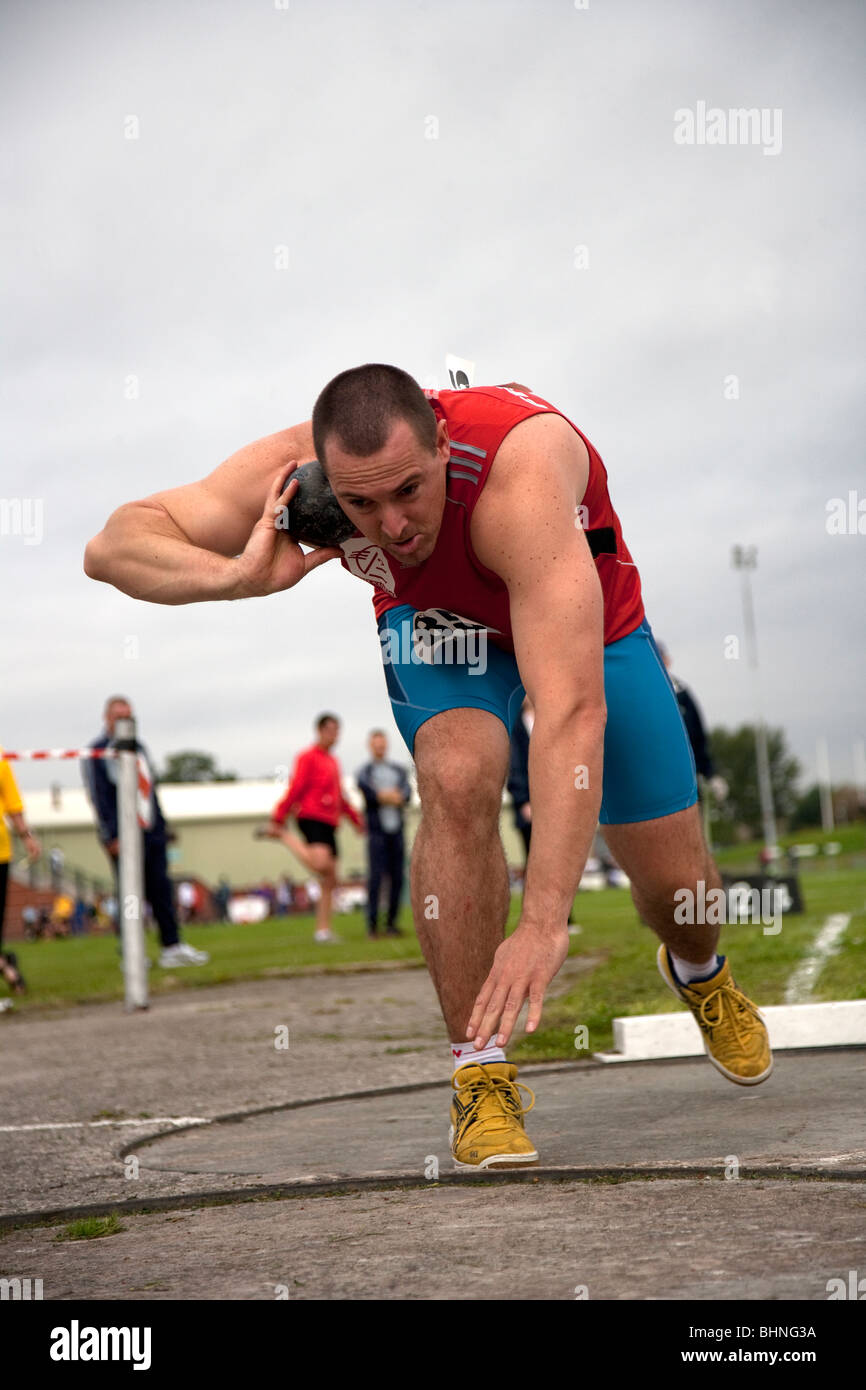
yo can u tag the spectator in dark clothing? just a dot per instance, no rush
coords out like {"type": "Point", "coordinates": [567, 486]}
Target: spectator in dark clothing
{"type": "Point", "coordinates": [100, 780]}
{"type": "Point", "coordinates": [284, 896]}
{"type": "Point", "coordinates": [696, 730]}
{"type": "Point", "coordinates": [518, 774]}
{"type": "Point", "coordinates": [78, 925]}
{"type": "Point", "coordinates": [221, 898]}
{"type": "Point", "coordinates": [385, 788]}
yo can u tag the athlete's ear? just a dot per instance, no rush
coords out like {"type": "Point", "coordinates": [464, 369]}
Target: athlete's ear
{"type": "Point", "coordinates": [443, 442]}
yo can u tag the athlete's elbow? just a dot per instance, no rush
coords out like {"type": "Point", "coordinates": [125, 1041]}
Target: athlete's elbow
{"type": "Point", "coordinates": [596, 706]}
{"type": "Point", "coordinates": [100, 557]}
{"type": "Point", "coordinates": [95, 558]}
{"type": "Point", "coordinates": [102, 553]}
{"type": "Point", "coordinates": [586, 711]}
{"type": "Point", "coordinates": [591, 713]}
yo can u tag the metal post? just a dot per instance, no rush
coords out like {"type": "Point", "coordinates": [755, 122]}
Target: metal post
{"type": "Point", "coordinates": [746, 559]}
{"type": "Point", "coordinates": [860, 772]}
{"type": "Point", "coordinates": [131, 867]}
{"type": "Point", "coordinates": [824, 788]}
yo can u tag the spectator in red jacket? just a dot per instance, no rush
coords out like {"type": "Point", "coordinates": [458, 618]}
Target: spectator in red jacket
{"type": "Point", "coordinates": [315, 797]}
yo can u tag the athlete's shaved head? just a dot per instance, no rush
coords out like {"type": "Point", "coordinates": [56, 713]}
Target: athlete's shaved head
{"type": "Point", "coordinates": [360, 406]}
{"type": "Point", "coordinates": [386, 456]}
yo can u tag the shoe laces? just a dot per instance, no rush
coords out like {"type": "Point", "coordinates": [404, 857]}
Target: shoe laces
{"type": "Point", "coordinates": [502, 1095]}
{"type": "Point", "coordinates": [727, 999]}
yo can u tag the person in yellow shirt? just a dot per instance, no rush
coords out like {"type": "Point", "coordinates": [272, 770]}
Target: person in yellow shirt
{"type": "Point", "coordinates": [12, 807]}
{"type": "Point", "coordinates": [61, 914]}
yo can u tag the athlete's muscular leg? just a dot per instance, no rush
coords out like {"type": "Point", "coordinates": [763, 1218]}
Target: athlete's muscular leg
{"type": "Point", "coordinates": [660, 857]}
{"type": "Point", "coordinates": [321, 862]}
{"type": "Point", "coordinates": [324, 865]}
{"type": "Point", "coordinates": [460, 891]}
{"type": "Point", "coordinates": [300, 849]}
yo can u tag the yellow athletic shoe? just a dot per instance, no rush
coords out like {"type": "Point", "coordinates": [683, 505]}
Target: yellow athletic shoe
{"type": "Point", "coordinates": [487, 1118]}
{"type": "Point", "coordinates": [735, 1034]}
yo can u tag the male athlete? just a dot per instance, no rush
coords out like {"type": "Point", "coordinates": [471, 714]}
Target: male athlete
{"type": "Point", "coordinates": [490, 508]}
{"type": "Point", "coordinates": [315, 797]}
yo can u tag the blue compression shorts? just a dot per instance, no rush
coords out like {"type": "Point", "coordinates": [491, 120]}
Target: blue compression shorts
{"type": "Point", "coordinates": [649, 767]}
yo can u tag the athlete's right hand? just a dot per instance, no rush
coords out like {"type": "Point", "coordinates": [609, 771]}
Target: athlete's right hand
{"type": "Point", "coordinates": [271, 560]}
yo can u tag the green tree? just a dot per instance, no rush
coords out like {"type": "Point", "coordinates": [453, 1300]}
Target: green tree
{"type": "Point", "coordinates": [193, 767]}
{"type": "Point", "coordinates": [807, 812]}
{"type": "Point", "coordinates": [736, 759]}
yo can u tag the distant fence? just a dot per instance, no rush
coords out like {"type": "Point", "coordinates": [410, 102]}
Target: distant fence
{"type": "Point", "coordinates": [134, 807]}
{"type": "Point", "coordinates": [41, 874]}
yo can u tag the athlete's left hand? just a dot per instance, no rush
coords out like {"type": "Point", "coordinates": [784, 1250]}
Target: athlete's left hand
{"type": "Point", "coordinates": [523, 965]}
{"type": "Point", "coordinates": [271, 831]}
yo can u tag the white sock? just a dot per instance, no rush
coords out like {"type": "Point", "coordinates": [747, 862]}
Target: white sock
{"type": "Point", "coordinates": [687, 971]}
{"type": "Point", "coordinates": [463, 1053]}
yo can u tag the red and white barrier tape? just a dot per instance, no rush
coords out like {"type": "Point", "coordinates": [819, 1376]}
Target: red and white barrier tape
{"type": "Point", "coordinates": [145, 804]}
{"type": "Point", "coordinates": [145, 787]}
{"type": "Point", "coordinates": [35, 754]}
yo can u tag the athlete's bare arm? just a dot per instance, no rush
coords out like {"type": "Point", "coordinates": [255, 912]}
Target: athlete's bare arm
{"type": "Point", "coordinates": [213, 539]}
{"type": "Point", "coordinates": [523, 529]}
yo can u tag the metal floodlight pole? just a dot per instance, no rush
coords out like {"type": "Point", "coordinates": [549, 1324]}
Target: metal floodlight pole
{"type": "Point", "coordinates": [745, 559]}
{"type": "Point", "coordinates": [131, 867]}
{"type": "Point", "coordinates": [825, 788]}
{"type": "Point", "coordinates": [860, 771]}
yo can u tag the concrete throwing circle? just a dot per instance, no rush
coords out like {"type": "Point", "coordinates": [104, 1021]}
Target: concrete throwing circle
{"type": "Point", "coordinates": [588, 1120]}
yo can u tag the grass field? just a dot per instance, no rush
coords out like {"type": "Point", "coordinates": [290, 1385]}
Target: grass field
{"type": "Point", "coordinates": [87, 969]}
{"type": "Point", "coordinates": [629, 983]}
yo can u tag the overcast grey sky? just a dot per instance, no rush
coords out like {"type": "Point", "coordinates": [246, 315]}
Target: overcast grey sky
{"type": "Point", "coordinates": [149, 263]}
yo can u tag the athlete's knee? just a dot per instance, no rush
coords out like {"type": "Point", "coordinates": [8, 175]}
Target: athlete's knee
{"type": "Point", "coordinates": [321, 860]}
{"type": "Point", "coordinates": [462, 785]}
